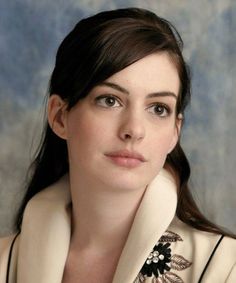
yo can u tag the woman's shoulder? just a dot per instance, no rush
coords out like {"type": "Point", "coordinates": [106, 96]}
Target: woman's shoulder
{"type": "Point", "coordinates": [204, 239]}
{"type": "Point", "coordinates": [5, 245]}
{"type": "Point", "coordinates": [210, 254]}
{"type": "Point", "coordinates": [7, 254]}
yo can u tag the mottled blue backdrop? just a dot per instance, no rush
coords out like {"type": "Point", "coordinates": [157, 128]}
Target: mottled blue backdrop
{"type": "Point", "coordinates": [30, 32]}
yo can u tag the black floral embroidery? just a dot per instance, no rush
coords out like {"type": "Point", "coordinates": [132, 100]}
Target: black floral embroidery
{"type": "Point", "coordinates": [161, 262]}
{"type": "Point", "coordinates": [157, 261]}
{"type": "Point", "coordinates": [169, 236]}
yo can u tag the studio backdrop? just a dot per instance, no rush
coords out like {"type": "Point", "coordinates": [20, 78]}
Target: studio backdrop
{"type": "Point", "coordinates": [31, 31]}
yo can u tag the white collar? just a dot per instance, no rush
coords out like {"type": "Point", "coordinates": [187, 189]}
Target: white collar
{"type": "Point", "coordinates": [46, 231]}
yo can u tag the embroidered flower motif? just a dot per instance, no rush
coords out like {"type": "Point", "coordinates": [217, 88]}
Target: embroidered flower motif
{"type": "Point", "coordinates": [169, 236]}
{"type": "Point", "coordinates": [157, 261]}
{"type": "Point", "coordinates": [161, 262]}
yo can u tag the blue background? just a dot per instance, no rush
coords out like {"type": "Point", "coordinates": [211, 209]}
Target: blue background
{"type": "Point", "coordinates": [30, 32]}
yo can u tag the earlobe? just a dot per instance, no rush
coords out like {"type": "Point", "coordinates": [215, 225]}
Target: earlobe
{"type": "Point", "coordinates": [179, 123]}
{"type": "Point", "coordinates": [177, 132]}
{"type": "Point", "coordinates": [57, 115]}
{"type": "Point", "coordinates": [174, 142]}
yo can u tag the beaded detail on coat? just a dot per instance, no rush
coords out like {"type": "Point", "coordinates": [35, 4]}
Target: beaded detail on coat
{"type": "Point", "coordinates": [161, 264]}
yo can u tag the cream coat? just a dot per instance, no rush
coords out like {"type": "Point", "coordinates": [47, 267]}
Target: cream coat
{"type": "Point", "coordinates": [40, 251]}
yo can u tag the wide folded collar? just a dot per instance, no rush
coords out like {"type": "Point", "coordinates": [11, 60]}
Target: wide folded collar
{"type": "Point", "coordinates": [46, 231]}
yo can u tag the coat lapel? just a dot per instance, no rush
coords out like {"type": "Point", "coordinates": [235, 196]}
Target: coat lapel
{"type": "Point", "coordinates": [45, 236]}
{"type": "Point", "coordinates": [153, 217]}
{"type": "Point", "coordinates": [46, 229]}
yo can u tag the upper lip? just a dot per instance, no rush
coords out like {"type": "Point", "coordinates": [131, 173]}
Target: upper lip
{"type": "Point", "coordinates": [127, 153]}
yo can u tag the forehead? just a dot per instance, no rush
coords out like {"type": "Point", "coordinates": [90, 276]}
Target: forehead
{"type": "Point", "coordinates": [155, 72]}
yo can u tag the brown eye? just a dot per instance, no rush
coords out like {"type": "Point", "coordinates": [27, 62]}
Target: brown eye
{"type": "Point", "coordinates": [160, 110]}
{"type": "Point", "coordinates": [107, 101]}
{"type": "Point", "coordinates": [110, 101]}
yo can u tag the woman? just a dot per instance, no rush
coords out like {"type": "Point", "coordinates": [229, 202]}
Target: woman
{"type": "Point", "coordinates": [108, 200]}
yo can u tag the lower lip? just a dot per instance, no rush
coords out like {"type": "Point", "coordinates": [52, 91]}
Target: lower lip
{"type": "Point", "coordinates": [126, 161]}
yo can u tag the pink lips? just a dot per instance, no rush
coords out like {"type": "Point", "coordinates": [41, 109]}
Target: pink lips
{"type": "Point", "coordinates": [126, 158]}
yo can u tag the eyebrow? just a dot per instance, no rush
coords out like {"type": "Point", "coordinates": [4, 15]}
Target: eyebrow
{"type": "Point", "coordinates": [150, 95]}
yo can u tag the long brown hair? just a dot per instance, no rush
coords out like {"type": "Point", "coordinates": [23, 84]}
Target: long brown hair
{"type": "Point", "coordinates": [97, 48]}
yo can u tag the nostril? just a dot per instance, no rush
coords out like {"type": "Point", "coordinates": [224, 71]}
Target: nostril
{"type": "Point", "coordinates": [127, 136]}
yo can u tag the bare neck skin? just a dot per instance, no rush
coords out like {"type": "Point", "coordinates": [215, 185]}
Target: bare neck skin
{"type": "Point", "coordinates": [101, 216]}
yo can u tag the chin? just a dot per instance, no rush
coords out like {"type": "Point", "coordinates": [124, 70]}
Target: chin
{"type": "Point", "coordinates": [127, 183]}
{"type": "Point", "coordinates": [124, 179]}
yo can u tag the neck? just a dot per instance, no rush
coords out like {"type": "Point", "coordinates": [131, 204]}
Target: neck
{"type": "Point", "coordinates": [101, 217]}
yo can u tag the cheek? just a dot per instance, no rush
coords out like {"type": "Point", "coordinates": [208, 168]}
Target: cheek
{"type": "Point", "coordinates": [160, 149]}
{"type": "Point", "coordinates": [84, 135]}
{"type": "Point", "coordinates": [163, 138]}
{"type": "Point", "coordinates": [77, 136]}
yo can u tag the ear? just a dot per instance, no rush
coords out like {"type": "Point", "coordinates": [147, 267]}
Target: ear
{"type": "Point", "coordinates": [177, 131]}
{"type": "Point", "coordinates": [57, 115]}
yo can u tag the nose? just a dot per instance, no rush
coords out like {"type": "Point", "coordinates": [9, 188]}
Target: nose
{"type": "Point", "coordinates": [132, 127]}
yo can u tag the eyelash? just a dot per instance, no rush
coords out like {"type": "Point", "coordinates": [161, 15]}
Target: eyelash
{"type": "Point", "coordinates": [165, 108]}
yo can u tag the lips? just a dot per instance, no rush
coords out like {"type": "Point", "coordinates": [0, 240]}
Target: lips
{"type": "Point", "coordinates": [126, 158]}
{"type": "Point", "coordinates": [127, 154]}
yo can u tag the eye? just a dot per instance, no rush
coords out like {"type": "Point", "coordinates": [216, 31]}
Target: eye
{"type": "Point", "coordinates": [107, 101]}
{"type": "Point", "coordinates": [160, 110]}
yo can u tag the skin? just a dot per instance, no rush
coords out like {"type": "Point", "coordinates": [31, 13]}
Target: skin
{"type": "Point", "coordinates": [106, 195]}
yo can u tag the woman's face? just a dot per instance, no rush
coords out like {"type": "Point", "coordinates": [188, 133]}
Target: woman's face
{"type": "Point", "coordinates": [120, 134]}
